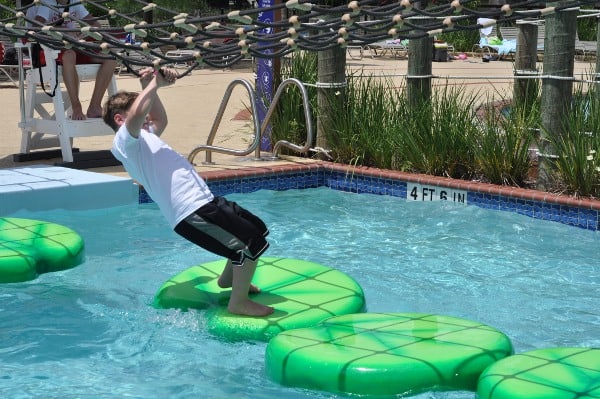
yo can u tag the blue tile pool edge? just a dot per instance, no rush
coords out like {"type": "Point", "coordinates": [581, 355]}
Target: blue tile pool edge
{"type": "Point", "coordinates": [539, 205]}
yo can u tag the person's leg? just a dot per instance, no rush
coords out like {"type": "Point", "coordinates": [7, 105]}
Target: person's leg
{"type": "Point", "coordinates": [71, 80]}
{"type": "Point", "coordinates": [226, 279]}
{"type": "Point", "coordinates": [218, 228]}
{"type": "Point", "coordinates": [239, 302]}
{"type": "Point", "coordinates": [103, 78]}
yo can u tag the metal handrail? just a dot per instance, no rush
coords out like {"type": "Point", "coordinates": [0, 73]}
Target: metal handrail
{"type": "Point", "coordinates": [258, 129]}
{"type": "Point", "coordinates": [209, 147]}
{"type": "Point", "coordinates": [307, 116]}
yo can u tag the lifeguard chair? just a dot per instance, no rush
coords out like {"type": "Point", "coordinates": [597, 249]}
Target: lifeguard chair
{"type": "Point", "coordinates": [46, 119]}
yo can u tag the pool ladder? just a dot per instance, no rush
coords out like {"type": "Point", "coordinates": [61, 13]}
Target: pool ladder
{"type": "Point", "coordinates": [209, 148]}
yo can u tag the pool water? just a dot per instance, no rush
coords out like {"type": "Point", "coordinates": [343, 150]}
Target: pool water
{"type": "Point", "coordinates": [90, 332]}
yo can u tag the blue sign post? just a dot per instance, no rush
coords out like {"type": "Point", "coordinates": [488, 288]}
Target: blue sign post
{"type": "Point", "coordinates": [264, 76]}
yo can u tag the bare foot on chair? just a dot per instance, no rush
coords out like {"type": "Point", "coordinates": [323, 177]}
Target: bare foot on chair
{"type": "Point", "coordinates": [250, 308]}
{"type": "Point", "coordinates": [77, 115]}
{"type": "Point", "coordinates": [94, 112]}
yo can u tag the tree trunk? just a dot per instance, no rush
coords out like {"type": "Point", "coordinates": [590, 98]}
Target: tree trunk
{"type": "Point", "coordinates": [559, 59]}
{"type": "Point", "coordinates": [330, 91]}
{"type": "Point", "coordinates": [525, 90]}
{"type": "Point", "coordinates": [420, 56]}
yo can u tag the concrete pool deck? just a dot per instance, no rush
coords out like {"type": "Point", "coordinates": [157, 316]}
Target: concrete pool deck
{"type": "Point", "coordinates": [192, 105]}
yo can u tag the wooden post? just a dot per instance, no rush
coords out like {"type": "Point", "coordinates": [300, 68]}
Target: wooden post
{"type": "Point", "coordinates": [524, 91]}
{"type": "Point", "coordinates": [559, 60]}
{"type": "Point", "coordinates": [331, 91]}
{"type": "Point", "coordinates": [149, 16]}
{"type": "Point", "coordinates": [420, 56]}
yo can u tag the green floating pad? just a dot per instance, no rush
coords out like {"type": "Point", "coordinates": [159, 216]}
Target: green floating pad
{"type": "Point", "coordinates": [553, 373]}
{"type": "Point", "coordinates": [303, 294]}
{"type": "Point", "coordinates": [31, 247]}
{"type": "Point", "coordinates": [386, 354]}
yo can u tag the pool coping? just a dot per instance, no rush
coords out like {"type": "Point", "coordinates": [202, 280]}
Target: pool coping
{"type": "Point", "coordinates": [46, 187]}
{"type": "Point", "coordinates": [582, 213]}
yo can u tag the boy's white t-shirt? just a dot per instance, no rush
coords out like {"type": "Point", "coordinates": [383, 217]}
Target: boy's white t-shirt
{"type": "Point", "coordinates": [168, 177]}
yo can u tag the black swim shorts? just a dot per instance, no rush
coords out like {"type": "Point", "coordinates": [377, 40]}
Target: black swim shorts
{"type": "Point", "coordinates": [226, 229]}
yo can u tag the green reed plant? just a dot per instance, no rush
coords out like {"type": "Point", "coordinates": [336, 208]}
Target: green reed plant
{"type": "Point", "coordinates": [587, 28]}
{"type": "Point", "coordinates": [377, 126]}
{"type": "Point", "coordinates": [363, 129]}
{"type": "Point", "coordinates": [440, 134]}
{"type": "Point", "coordinates": [288, 121]}
{"type": "Point", "coordinates": [576, 160]}
{"type": "Point", "coordinates": [503, 144]}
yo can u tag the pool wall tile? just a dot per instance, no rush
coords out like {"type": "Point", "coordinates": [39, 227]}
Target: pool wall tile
{"type": "Point", "coordinates": [536, 204]}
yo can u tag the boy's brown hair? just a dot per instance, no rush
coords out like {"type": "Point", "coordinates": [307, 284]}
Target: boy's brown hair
{"type": "Point", "coordinates": [117, 104]}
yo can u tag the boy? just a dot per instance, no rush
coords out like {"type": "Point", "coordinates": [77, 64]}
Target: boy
{"type": "Point", "coordinates": [215, 224]}
{"type": "Point", "coordinates": [47, 13]}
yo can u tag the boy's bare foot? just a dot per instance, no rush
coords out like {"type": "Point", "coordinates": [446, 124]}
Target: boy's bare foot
{"type": "Point", "coordinates": [254, 289]}
{"type": "Point", "coordinates": [250, 308]}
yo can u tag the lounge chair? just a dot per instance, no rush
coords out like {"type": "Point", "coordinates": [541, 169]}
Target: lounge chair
{"type": "Point", "coordinates": [509, 41]}
{"type": "Point", "coordinates": [490, 45]}
{"type": "Point", "coordinates": [541, 37]}
{"type": "Point", "coordinates": [585, 47]}
{"type": "Point", "coordinates": [487, 35]}
{"type": "Point", "coordinates": [510, 34]}
{"type": "Point", "coordinates": [355, 49]}
{"type": "Point", "coordinates": [397, 48]}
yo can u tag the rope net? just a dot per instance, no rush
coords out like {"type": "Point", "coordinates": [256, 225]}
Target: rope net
{"type": "Point", "coordinates": [211, 41]}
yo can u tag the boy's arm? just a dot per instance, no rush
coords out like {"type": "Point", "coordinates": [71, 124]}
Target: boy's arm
{"type": "Point", "coordinates": [157, 116]}
{"type": "Point", "coordinates": [147, 107]}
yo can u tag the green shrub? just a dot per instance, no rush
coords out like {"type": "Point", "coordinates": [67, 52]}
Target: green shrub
{"type": "Point", "coordinates": [377, 126]}
{"type": "Point", "coordinates": [503, 143]}
{"type": "Point", "coordinates": [576, 160]}
{"type": "Point", "coordinates": [363, 130]}
{"type": "Point", "coordinates": [440, 135]}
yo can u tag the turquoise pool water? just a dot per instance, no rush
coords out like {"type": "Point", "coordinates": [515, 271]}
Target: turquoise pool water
{"type": "Point", "coordinates": [90, 332]}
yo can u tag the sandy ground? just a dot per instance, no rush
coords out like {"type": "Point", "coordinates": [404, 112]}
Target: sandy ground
{"type": "Point", "coordinates": [191, 103]}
